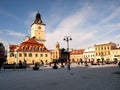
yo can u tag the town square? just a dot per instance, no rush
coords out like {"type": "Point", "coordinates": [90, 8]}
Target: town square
{"type": "Point", "coordinates": [103, 77]}
{"type": "Point", "coordinates": [59, 45]}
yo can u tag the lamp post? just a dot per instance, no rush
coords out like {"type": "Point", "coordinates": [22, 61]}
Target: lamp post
{"type": "Point", "coordinates": [102, 58]}
{"type": "Point", "coordinates": [67, 39]}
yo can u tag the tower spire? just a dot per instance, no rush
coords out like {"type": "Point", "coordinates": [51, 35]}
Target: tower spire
{"type": "Point", "coordinates": [38, 19]}
{"type": "Point", "coordinates": [38, 16]}
{"type": "Point", "coordinates": [38, 29]}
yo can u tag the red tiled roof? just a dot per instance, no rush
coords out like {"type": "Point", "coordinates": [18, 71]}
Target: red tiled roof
{"type": "Point", "coordinates": [30, 41]}
{"type": "Point", "coordinates": [74, 52]}
{"type": "Point", "coordinates": [30, 45]}
{"type": "Point", "coordinates": [12, 47]}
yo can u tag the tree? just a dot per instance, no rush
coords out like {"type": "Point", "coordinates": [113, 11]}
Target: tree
{"type": "Point", "coordinates": [2, 60]}
{"type": "Point", "coordinates": [2, 55]}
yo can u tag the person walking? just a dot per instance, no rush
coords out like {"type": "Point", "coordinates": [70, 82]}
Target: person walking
{"type": "Point", "coordinates": [68, 64]}
{"type": "Point", "coordinates": [119, 63]}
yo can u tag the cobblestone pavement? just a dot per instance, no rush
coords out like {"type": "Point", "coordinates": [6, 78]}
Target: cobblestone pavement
{"type": "Point", "coordinates": [106, 77]}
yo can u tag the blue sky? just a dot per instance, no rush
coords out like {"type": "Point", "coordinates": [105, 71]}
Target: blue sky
{"type": "Point", "coordinates": [88, 22]}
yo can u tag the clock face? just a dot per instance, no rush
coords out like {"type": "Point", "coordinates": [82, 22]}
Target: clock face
{"type": "Point", "coordinates": [39, 27]}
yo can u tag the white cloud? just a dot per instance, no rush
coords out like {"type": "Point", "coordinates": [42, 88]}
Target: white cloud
{"type": "Point", "coordinates": [86, 36]}
{"type": "Point", "coordinates": [71, 26]}
{"type": "Point", "coordinates": [30, 18]}
{"type": "Point", "coordinates": [14, 37]}
{"type": "Point", "coordinates": [87, 26]}
{"type": "Point", "coordinates": [1, 32]}
{"type": "Point", "coordinates": [75, 25]}
{"type": "Point", "coordinates": [113, 15]}
{"type": "Point", "coordinates": [13, 33]}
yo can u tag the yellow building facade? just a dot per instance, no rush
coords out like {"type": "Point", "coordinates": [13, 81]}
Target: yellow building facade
{"type": "Point", "coordinates": [56, 53]}
{"type": "Point", "coordinates": [29, 51]}
{"type": "Point", "coordinates": [102, 51]}
{"type": "Point", "coordinates": [76, 55]}
{"type": "Point", "coordinates": [115, 54]}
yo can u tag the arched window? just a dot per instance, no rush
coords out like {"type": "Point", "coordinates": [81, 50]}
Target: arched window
{"type": "Point", "coordinates": [46, 61]}
{"type": "Point", "coordinates": [37, 48]}
{"type": "Point", "coordinates": [33, 48]}
{"type": "Point", "coordinates": [23, 48]}
{"type": "Point", "coordinates": [105, 48]}
{"type": "Point", "coordinates": [40, 49]}
{"type": "Point", "coordinates": [30, 48]}
{"type": "Point", "coordinates": [11, 54]}
{"type": "Point", "coordinates": [96, 54]}
{"type": "Point", "coordinates": [27, 48]}
{"type": "Point", "coordinates": [108, 52]}
{"type": "Point", "coordinates": [43, 49]}
{"type": "Point", "coordinates": [41, 55]}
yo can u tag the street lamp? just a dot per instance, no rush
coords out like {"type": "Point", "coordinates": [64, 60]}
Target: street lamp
{"type": "Point", "coordinates": [102, 58]}
{"type": "Point", "coordinates": [67, 39]}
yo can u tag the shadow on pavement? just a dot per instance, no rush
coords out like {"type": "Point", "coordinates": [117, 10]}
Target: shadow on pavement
{"type": "Point", "coordinates": [117, 72]}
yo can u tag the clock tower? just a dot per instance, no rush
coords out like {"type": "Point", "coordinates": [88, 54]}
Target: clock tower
{"type": "Point", "coordinates": [38, 29]}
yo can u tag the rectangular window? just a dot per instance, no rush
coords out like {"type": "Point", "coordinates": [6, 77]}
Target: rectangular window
{"type": "Point", "coordinates": [105, 48]}
{"type": "Point", "coordinates": [101, 48]}
{"type": "Point", "coordinates": [25, 55]}
{"type": "Point", "coordinates": [96, 48]}
{"type": "Point", "coordinates": [30, 54]}
{"type": "Point", "coordinates": [96, 54]}
{"type": "Point", "coordinates": [20, 55]}
{"type": "Point", "coordinates": [36, 55]}
{"type": "Point", "coordinates": [41, 55]}
{"type": "Point", "coordinates": [11, 54]}
{"type": "Point", "coordinates": [15, 55]}
{"type": "Point", "coordinates": [46, 55]}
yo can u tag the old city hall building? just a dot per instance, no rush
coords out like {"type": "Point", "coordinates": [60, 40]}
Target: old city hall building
{"type": "Point", "coordinates": [31, 49]}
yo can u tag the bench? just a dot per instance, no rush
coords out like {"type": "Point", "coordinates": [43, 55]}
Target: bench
{"type": "Point", "coordinates": [13, 66]}
{"type": "Point", "coordinates": [35, 68]}
{"type": "Point", "coordinates": [9, 66]}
